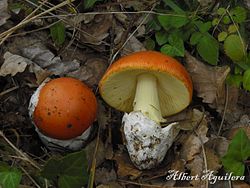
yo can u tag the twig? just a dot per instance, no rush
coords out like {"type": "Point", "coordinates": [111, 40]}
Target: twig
{"type": "Point", "coordinates": [19, 152]}
{"type": "Point", "coordinates": [216, 26]}
{"type": "Point", "coordinates": [141, 184]}
{"type": "Point", "coordinates": [224, 112]}
{"type": "Point", "coordinates": [26, 21]}
{"type": "Point", "coordinates": [204, 155]}
{"type": "Point", "coordinates": [238, 32]}
{"type": "Point", "coordinates": [27, 174]}
{"type": "Point", "coordinates": [117, 12]}
{"type": "Point", "coordinates": [8, 90]}
{"type": "Point", "coordinates": [93, 164]}
{"type": "Point", "coordinates": [132, 34]}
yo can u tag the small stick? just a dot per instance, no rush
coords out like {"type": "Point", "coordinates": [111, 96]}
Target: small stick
{"type": "Point", "coordinates": [19, 152]}
{"type": "Point", "coordinates": [8, 90]}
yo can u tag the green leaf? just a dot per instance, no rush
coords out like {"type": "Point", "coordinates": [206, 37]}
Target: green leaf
{"type": "Point", "coordinates": [208, 49]}
{"type": "Point", "coordinates": [172, 21]}
{"type": "Point", "coordinates": [226, 20]}
{"type": "Point", "coordinates": [89, 3]}
{"type": "Point", "coordinates": [10, 177]}
{"type": "Point", "coordinates": [232, 28]}
{"type": "Point", "coordinates": [150, 44]}
{"type": "Point", "coordinates": [57, 32]}
{"type": "Point", "coordinates": [67, 181]}
{"type": "Point", "coordinates": [203, 27]}
{"type": "Point", "coordinates": [234, 80]}
{"type": "Point", "coordinates": [246, 80]}
{"type": "Point", "coordinates": [239, 14]}
{"type": "Point", "coordinates": [238, 151]}
{"type": "Point", "coordinates": [234, 48]}
{"type": "Point", "coordinates": [174, 6]}
{"type": "Point", "coordinates": [175, 46]}
{"type": "Point", "coordinates": [222, 36]}
{"type": "Point", "coordinates": [71, 170]}
{"type": "Point", "coordinates": [16, 7]}
{"type": "Point", "coordinates": [215, 21]}
{"type": "Point", "coordinates": [161, 37]}
{"type": "Point", "coordinates": [195, 38]}
{"type": "Point", "coordinates": [221, 11]}
{"type": "Point", "coordinates": [51, 169]}
{"type": "Point", "coordinates": [152, 24]}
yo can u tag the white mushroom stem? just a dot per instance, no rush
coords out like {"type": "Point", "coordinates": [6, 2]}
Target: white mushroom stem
{"type": "Point", "coordinates": [146, 97]}
{"type": "Point", "coordinates": [147, 142]}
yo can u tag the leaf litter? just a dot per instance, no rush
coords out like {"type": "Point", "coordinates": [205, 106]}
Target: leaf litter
{"type": "Point", "coordinates": [30, 59]}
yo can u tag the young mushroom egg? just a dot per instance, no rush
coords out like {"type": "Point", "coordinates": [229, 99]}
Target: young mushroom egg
{"type": "Point", "coordinates": [62, 111]}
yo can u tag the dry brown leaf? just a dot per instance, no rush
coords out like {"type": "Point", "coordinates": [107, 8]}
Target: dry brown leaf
{"type": "Point", "coordinates": [196, 167]}
{"type": "Point", "coordinates": [91, 72]}
{"type": "Point", "coordinates": [85, 18]}
{"type": "Point", "coordinates": [97, 29]}
{"type": "Point", "coordinates": [133, 45]}
{"type": "Point", "coordinates": [240, 184]}
{"type": "Point", "coordinates": [13, 64]}
{"type": "Point", "coordinates": [100, 155]}
{"type": "Point", "coordinates": [43, 57]}
{"type": "Point", "coordinates": [178, 165]}
{"type": "Point", "coordinates": [40, 73]}
{"type": "Point", "coordinates": [218, 144]}
{"type": "Point", "coordinates": [125, 167]}
{"type": "Point", "coordinates": [233, 131]}
{"type": "Point", "coordinates": [3, 11]}
{"type": "Point", "coordinates": [110, 185]}
{"type": "Point", "coordinates": [139, 5]}
{"type": "Point", "coordinates": [213, 161]}
{"type": "Point", "coordinates": [191, 143]}
{"type": "Point", "coordinates": [208, 81]}
{"type": "Point", "coordinates": [104, 175]}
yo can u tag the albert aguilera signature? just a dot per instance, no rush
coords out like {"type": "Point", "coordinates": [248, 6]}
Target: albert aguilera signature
{"type": "Point", "coordinates": [206, 175]}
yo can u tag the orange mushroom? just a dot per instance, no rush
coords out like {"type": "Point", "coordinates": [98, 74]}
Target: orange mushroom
{"type": "Point", "coordinates": [63, 108]}
{"type": "Point", "coordinates": [149, 86]}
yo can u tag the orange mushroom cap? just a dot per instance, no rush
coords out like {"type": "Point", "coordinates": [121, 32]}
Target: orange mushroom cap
{"type": "Point", "coordinates": [175, 89]}
{"type": "Point", "coordinates": [65, 109]}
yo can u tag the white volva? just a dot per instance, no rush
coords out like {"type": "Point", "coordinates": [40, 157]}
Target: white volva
{"type": "Point", "coordinates": [147, 141]}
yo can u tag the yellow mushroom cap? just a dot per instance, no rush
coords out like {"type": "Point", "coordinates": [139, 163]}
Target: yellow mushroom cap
{"type": "Point", "coordinates": [175, 89]}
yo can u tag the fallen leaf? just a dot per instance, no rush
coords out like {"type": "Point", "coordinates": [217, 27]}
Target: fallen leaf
{"type": "Point", "coordinates": [43, 57]}
{"type": "Point", "coordinates": [100, 155]}
{"type": "Point", "coordinates": [218, 144]}
{"type": "Point", "coordinates": [110, 185]}
{"type": "Point", "coordinates": [240, 184]}
{"type": "Point", "coordinates": [40, 73]}
{"type": "Point", "coordinates": [213, 161]}
{"type": "Point", "coordinates": [97, 30]}
{"type": "Point", "coordinates": [196, 167]}
{"type": "Point", "coordinates": [139, 5]}
{"type": "Point", "coordinates": [104, 175]}
{"type": "Point", "coordinates": [191, 143]}
{"type": "Point", "coordinates": [125, 167]}
{"type": "Point", "coordinates": [133, 45]}
{"type": "Point", "coordinates": [178, 165]}
{"type": "Point", "coordinates": [13, 64]}
{"type": "Point", "coordinates": [91, 72]}
{"type": "Point", "coordinates": [85, 18]}
{"type": "Point", "coordinates": [208, 81]}
{"type": "Point", "coordinates": [3, 11]}
{"type": "Point", "coordinates": [205, 3]}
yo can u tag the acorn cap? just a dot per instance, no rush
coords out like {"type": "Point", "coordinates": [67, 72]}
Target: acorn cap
{"type": "Point", "coordinates": [118, 85]}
